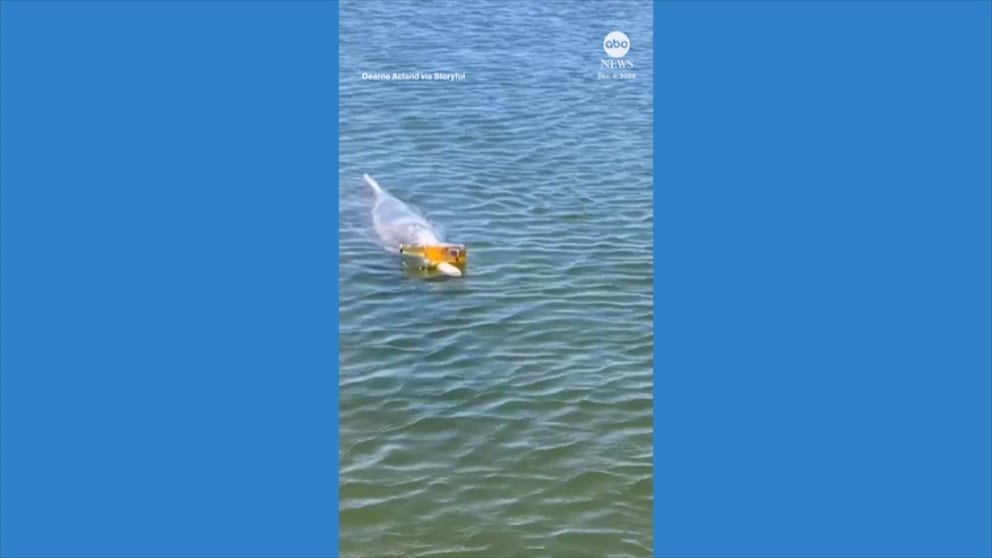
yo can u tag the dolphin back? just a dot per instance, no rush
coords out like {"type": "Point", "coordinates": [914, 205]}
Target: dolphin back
{"type": "Point", "coordinates": [396, 222]}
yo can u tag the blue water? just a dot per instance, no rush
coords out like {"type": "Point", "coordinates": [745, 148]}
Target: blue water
{"type": "Point", "coordinates": [508, 412]}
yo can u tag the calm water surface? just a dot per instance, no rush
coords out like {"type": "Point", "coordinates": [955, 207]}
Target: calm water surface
{"type": "Point", "coordinates": [507, 413]}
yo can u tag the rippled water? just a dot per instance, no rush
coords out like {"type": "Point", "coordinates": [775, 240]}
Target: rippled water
{"type": "Point", "coordinates": [506, 413]}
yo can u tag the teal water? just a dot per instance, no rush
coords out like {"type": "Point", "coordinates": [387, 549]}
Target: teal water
{"type": "Point", "coordinates": [508, 412]}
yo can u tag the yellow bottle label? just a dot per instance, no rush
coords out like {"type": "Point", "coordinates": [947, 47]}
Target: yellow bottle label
{"type": "Point", "coordinates": [455, 254]}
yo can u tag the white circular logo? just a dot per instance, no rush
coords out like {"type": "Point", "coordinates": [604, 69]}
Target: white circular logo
{"type": "Point", "coordinates": [616, 44]}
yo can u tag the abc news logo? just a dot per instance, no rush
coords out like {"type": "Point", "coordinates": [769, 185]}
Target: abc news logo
{"type": "Point", "coordinates": [616, 45]}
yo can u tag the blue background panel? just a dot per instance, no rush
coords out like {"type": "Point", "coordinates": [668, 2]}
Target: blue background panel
{"type": "Point", "coordinates": [822, 383]}
{"type": "Point", "coordinates": [169, 310]}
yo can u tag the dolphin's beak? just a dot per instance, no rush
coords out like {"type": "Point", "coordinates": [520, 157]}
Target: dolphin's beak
{"type": "Point", "coordinates": [448, 269]}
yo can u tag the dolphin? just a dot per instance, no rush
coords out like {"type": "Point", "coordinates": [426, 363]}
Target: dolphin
{"type": "Point", "coordinates": [399, 225]}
